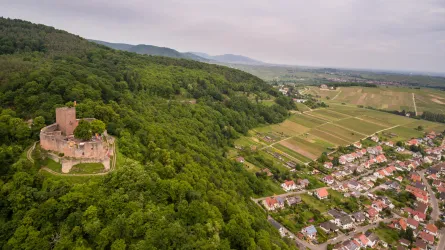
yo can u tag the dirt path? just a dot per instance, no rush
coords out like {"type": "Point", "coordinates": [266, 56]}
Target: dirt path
{"type": "Point", "coordinates": [414, 102]}
{"type": "Point", "coordinates": [333, 98]}
{"type": "Point", "coordinates": [29, 152]}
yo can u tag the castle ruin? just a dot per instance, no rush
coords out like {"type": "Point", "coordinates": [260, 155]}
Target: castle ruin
{"type": "Point", "coordinates": [58, 139]}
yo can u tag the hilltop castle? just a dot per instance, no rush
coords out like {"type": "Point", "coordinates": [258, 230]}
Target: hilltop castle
{"type": "Point", "coordinates": [59, 138]}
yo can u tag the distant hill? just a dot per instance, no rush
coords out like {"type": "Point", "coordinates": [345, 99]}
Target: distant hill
{"type": "Point", "coordinates": [151, 50]}
{"type": "Point", "coordinates": [168, 52]}
{"type": "Point", "coordinates": [230, 58]}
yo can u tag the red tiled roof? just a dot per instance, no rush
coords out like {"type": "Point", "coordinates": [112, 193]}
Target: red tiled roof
{"type": "Point", "coordinates": [431, 227]}
{"type": "Point", "coordinates": [322, 192]}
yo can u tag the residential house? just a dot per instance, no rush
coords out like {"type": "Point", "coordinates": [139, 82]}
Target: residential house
{"type": "Point", "coordinates": [405, 242]}
{"type": "Point", "coordinates": [420, 244]}
{"type": "Point", "coordinates": [413, 142]}
{"type": "Point", "coordinates": [328, 165]}
{"type": "Point", "coordinates": [293, 200]}
{"type": "Point", "coordinates": [412, 223]}
{"type": "Point", "coordinates": [399, 178]}
{"type": "Point", "coordinates": [373, 238]}
{"type": "Point", "coordinates": [278, 227]}
{"type": "Point", "coordinates": [428, 238]}
{"type": "Point", "coordinates": [357, 145]}
{"type": "Point", "coordinates": [328, 179]}
{"type": "Point", "coordinates": [359, 217]}
{"type": "Point", "coordinates": [362, 240]}
{"type": "Point", "coordinates": [415, 177]}
{"type": "Point", "coordinates": [303, 183]}
{"type": "Point", "coordinates": [431, 229]}
{"type": "Point", "coordinates": [270, 203]}
{"type": "Point", "coordinates": [310, 232]}
{"type": "Point", "coordinates": [372, 214]}
{"type": "Point", "coordinates": [421, 207]}
{"type": "Point", "coordinates": [346, 222]}
{"type": "Point", "coordinates": [322, 193]}
{"type": "Point", "coordinates": [289, 186]}
{"type": "Point", "coordinates": [328, 227]}
{"type": "Point", "coordinates": [375, 138]}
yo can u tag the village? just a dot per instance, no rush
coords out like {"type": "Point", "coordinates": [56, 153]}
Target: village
{"type": "Point", "coordinates": [376, 194]}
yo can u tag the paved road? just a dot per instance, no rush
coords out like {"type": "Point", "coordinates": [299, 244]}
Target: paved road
{"type": "Point", "coordinates": [441, 244]}
{"type": "Point", "coordinates": [435, 205]}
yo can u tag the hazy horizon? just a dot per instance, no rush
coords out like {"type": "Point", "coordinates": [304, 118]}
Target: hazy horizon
{"type": "Point", "coordinates": [391, 35]}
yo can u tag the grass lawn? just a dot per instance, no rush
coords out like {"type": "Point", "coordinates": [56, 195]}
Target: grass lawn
{"type": "Point", "coordinates": [51, 164]}
{"type": "Point", "coordinates": [388, 235]}
{"type": "Point", "coordinates": [320, 205]}
{"type": "Point", "coordinates": [250, 167]}
{"type": "Point", "coordinates": [301, 107]}
{"type": "Point", "coordinates": [87, 168]}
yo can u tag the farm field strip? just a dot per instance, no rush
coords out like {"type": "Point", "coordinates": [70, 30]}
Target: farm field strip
{"type": "Point", "coordinates": [330, 115]}
{"type": "Point", "coordinates": [316, 116]}
{"type": "Point", "coordinates": [307, 121]}
{"type": "Point", "coordinates": [297, 156]}
{"type": "Point", "coordinates": [361, 126]}
{"type": "Point", "coordinates": [329, 137]}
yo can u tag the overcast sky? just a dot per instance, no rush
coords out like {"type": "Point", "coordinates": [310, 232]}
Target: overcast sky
{"type": "Point", "coordinates": [379, 34]}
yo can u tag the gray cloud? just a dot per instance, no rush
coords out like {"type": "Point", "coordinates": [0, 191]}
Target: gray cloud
{"type": "Point", "coordinates": [389, 34]}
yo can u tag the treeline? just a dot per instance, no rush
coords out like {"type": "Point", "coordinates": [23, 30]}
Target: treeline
{"type": "Point", "coordinates": [174, 188]}
{"type": "Point", "coordinates": [434, 117]}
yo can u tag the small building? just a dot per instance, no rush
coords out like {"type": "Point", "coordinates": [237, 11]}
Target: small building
{"type": "Point", "coordinates": [322, 193]}
{"type": "Point", "coordinates": [328, 227]}
{"type": "Point", "coordinates": [431, 229]}
{"type": "Point", "coordinates": [240, 159]}
{"type": "Point", "coordinates": [289, 186]}
{"type": "Point", "coordinates": [310, 232]}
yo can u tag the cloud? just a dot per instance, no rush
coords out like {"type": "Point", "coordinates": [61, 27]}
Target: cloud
{"type": "Point", "coordinates": [395, 34]}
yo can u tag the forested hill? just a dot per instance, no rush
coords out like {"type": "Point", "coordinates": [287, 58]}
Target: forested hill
{"type": "Point", "coordinates": [173, 188]}
{"type": "Point", "coordinates": [151, 50]}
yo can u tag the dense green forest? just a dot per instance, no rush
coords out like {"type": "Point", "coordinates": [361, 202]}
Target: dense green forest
{"type": "Point", "coordinates": [175, 189]}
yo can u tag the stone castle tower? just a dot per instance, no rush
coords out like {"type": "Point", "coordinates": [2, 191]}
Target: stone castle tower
{"type": "Point", "coordinates": [66, 119]}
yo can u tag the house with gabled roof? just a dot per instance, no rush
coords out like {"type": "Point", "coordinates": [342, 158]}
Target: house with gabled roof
{"type": "Point", "coordinates": [328, 226]}
{"type": "Point", "coordinates": [328, 179]}
{"type": "Point", "coordinates": [310, 232]}
{"type": "Point", "coordinates": [289, 185]}
{"type": "Point", "coordinates": [428, 238]}
{"type": "Point", "coordinates": [270, 203]}
{"type": "Point", "coordinates": [328, 165]}
{"type": "Point", "coordinates": [412, 223]}
{"type": "Point", "coordinates": [372, 214]}
{"type": "Point", "coordinates": [431, 229]}
{"type": "Point", "coordinates": [321, 193]}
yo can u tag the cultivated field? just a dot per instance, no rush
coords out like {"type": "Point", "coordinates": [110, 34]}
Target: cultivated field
{"type": "Point", "coordinates": [304, 137]}
{"type": "Point", "coordinates": [391, 98]}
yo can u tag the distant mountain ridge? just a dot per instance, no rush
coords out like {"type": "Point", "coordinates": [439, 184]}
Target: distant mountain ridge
{"type": "Point", "coordinates": [151, 50]}
{"type": "Point", "coordinates": [168, 52]}
{"type": "Point", "coordinates": [230, 58]}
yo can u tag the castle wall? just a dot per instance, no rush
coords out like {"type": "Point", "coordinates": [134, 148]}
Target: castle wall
{"type": "Point", "coordinates": [66, 119]}
{"type": "Point", "coordinates": [51, 139]}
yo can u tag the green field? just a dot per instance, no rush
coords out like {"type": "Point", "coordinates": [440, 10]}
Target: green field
{"type": "Point", "coordinates": [345, 134]}
{"type": "Point", "coordinates": [310, 149]}
{"type": "Point", "coordinates": [330, 115]}
{"type": "Point", "coordinates": [329, 137]}
{"type": "Point", "coordinates": [306, 120]}
{"type": "Point", "coordinates": [301, 107]}
{"type": "Point", "coordinates": [360, 126]}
